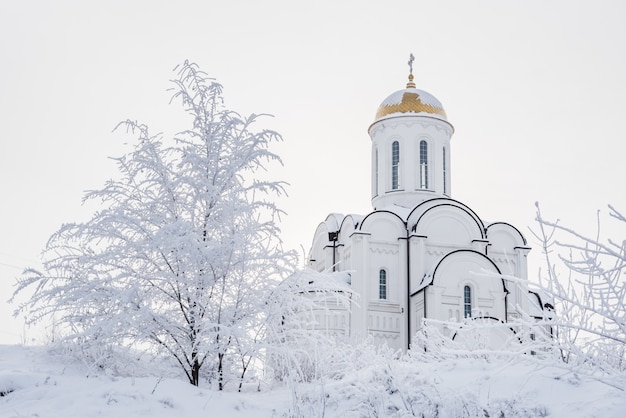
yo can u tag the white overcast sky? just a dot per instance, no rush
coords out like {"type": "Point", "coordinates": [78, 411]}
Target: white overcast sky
{"type": "Point", "coordinates": [535, 90]}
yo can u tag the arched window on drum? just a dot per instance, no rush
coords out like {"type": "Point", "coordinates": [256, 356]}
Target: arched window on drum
{"type": "Point", "coordinates": [423, 165]}
{"type": "Point", "coordinates": [395, 165]}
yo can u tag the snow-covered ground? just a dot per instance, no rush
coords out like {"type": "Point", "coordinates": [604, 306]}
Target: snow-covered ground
{"type": "Point", "coordinates": [34, 383]}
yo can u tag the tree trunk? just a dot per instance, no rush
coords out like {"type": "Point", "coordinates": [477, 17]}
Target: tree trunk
{"type": "Point", "coordinates": [195, 373]}
{"type": "Point", "coordinates": [220, 371]}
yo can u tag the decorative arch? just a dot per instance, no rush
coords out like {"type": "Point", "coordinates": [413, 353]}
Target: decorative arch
{"type": "Point", "coordinates": [460, 259]}
{"type": "Point", "coordinates": [419, 210]}
{"type": "Point", "coordinates": [383, 224]}
{"type": "Point", "coordinates": [449, 224]}
{"type": "Point", "coordinates": [445, 287]}
{"type": "Point", "coordinates": [349, 224]}
{"type": "Point", "coordinates": [504, 236]}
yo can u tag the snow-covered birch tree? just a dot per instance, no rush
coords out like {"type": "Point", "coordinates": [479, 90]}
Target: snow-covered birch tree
{"type": "Point", "coordinates": [185, 248]}
{"type": "Point", "coordinates": [590, 296]}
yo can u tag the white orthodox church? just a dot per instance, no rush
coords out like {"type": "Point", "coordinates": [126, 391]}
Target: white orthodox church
{"type": "Point", "coordinates": [419, 254]}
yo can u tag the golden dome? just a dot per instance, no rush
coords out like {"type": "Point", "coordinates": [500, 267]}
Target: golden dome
{"type": "Point", "coordinates": [413, 101]}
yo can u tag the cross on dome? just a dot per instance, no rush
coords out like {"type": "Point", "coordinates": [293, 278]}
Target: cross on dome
{"type": "Point", "coordinates": [411, 84]}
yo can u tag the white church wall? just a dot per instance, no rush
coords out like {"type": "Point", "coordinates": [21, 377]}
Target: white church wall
{"type": "Point", "coordinates": [513, 268]}
{"type": "Point", "coordinates": [433, 253]}
{"type": "Point", "coordinates": [419, 265]}
{"type": "Point", "coordinates": [417, 312]}
{"type": "Point", "coordinates": [345, 257]}
{"type": "Point", "coordinates": [384, 248]}
{"type": "Point", "coordinates": [385, 324]}
{"type": "Point", "coordinates": [507, 248]}
{"type": "Point", "coordinates": [386, 251]}
{"type": "Point", "coordinates": [347, 228]}
{"type": "Point", "coordinates": [384, 256]}
{"type": "Point", "coordinates": [360, 266]}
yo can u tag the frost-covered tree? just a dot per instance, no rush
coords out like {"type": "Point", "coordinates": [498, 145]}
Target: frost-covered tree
{"type": "Point", "coordinates": [184, 253]}
{"type": "Point", "coordinates": [590, 299]}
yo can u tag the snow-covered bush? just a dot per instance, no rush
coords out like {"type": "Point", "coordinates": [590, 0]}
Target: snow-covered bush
{"type": "Point", "coordinates": [300, 349]}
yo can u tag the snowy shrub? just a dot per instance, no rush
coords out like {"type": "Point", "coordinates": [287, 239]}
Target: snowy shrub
{"type": "Point", "coordinates": [299, 349]}
{"type": "Point", "coordinates": [413, 385]}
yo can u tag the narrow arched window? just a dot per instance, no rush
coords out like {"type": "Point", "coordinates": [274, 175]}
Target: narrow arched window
{"type": "Point", "coordinates": [382, 284]}
{"type": "Point", "coordinates": [376, 172]}
{"type": "Point", "coordinates": [395, 163]}
{"type": "Point", "coordinates": [467, 302]}
{"type": "Point", "coordinates": [445, 184]}
{"type": "Point", "coordinates": [423, 167]}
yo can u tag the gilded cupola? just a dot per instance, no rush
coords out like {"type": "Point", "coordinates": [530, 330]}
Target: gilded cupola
{"type": "Point", "coordinates": [410, 101]}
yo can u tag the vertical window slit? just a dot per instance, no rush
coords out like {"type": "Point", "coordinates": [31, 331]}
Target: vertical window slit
{"type": "Point", "coordinates": [445, 184]}
{"type": "Point", "coordinates": [423, 167]}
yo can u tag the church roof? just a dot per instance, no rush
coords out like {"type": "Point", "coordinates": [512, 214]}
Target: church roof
{"type": "Point", "coordinates": [411, 101]}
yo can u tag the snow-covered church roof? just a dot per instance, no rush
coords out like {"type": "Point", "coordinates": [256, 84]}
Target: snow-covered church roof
{"type": "Point", "coordinates": [411, 100]}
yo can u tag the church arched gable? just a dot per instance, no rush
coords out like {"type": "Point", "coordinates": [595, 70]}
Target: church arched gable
{"type": "Point", "coordinates": [333, 221]}
{"type": "Point", "coordinates": [504, 237]}
{"type": "Point", "coordinates": [448, 224]}
{"type": "Point", "coordinates": [419, 210]}
{"type": "Point", "coordinates": [384, 225]}
{"type": "Point", "coordinates": [467, 263]}
{"type": "Point", "coordinates": [349, 224]}
{"type": "Point", "coordinates": [465, 277]}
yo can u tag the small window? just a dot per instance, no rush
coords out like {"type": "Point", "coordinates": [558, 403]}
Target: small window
{"type": "Point", "coordinates": [395, 163]}
{"type": "Point", "coordinates": [423, 167]}
{"type": "Point", "coordinates": [382, 284]}
{"type": "Point", "coordinates": [467, 302]}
